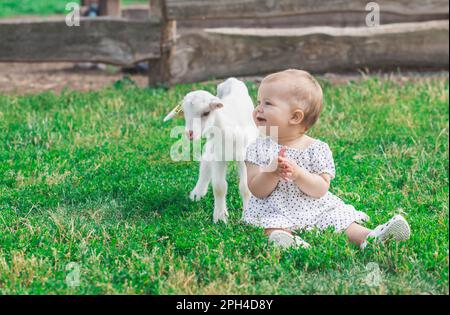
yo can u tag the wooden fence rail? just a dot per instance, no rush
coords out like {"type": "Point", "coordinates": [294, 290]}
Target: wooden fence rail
{"type": "Point", "coordinates": [218, 53]}
{"type": "Point", "coordinates": [103, 39]}
{"type": "Point", "coordinates": [231, 9]}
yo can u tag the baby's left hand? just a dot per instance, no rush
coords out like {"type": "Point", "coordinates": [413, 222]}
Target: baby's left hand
{"type": "Point", "coordinates": [290, 168]}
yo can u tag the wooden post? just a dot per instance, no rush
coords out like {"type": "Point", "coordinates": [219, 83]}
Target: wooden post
{"type": "Point", "coordinates": [110, 8]}
{"type": "Point", "coordinates": [168, 38]}
{"type": "Point", "coordinates": [159, 69]}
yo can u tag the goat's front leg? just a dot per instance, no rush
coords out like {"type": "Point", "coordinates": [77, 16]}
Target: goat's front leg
{"type": "Point", "coordinates": [219, 183]}
{"type": "Point", "coordinates": [243, 186]}
{"type": "Point", "coordinates": [204, 176]}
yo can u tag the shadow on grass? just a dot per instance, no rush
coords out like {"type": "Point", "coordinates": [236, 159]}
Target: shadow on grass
{"type": "Point", "coordinates": [165, 202]}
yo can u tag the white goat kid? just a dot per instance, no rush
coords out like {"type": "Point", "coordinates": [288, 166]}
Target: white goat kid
{"type": "Point", "coordinates": [226, 122]}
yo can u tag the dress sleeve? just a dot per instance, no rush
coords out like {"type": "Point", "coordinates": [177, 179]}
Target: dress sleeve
{"type": "Point", "coordinates": [322, 160]}
{"type": "Point", "coordinates": [252, 155]}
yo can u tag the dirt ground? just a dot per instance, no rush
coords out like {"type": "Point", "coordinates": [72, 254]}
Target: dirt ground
{"type": "Point", "coordinates": [25, 78]}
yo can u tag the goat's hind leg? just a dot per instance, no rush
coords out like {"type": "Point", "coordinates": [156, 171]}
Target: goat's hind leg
{"type": "Point", "coordinates": [204, 177]}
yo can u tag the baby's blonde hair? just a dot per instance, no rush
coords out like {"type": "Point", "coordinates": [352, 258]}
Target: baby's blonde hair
{"type": "Point", "coordinates": [304, 91]}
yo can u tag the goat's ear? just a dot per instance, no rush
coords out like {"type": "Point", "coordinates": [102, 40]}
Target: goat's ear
{"type": "Point", "coordinates": [216, 104]}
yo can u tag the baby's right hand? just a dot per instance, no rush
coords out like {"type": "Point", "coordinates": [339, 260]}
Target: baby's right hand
{"type": "Point", "coordinates": [278, 167]}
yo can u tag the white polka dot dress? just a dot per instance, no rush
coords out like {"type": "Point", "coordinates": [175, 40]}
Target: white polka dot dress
{"type": "Point", "coordinates": [287, 206]}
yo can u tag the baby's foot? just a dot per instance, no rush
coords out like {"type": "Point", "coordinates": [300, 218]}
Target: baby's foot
{"type": "Point", "coordinates": [396, 228]}
{"type": "Point", "coordinates": [284, 239]}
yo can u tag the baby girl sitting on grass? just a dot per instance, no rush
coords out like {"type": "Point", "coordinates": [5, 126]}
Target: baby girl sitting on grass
{"type": "Point", "coordinates": [289, 176]}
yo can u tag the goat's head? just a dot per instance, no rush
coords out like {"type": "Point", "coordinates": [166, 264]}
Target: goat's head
{"type": "Point", "coordinates": [199, 109]}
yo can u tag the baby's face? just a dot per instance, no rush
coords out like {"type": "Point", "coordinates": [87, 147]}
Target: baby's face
{"type": "Point", "coordinates": [273, 108]}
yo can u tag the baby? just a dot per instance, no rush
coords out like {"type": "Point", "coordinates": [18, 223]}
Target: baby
{"type": "Point", "coordinates": [289, 176]}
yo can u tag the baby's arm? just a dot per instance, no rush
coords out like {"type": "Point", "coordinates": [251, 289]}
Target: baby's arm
{"type": "Point", "coordinates": [311, 184]}
{"type": "Point", "coordinates": [261, 184]}
{"type": "Point", "coordinates": [263, 181]}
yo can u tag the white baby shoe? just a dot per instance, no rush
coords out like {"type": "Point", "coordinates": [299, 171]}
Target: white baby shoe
{"type": "Point", "coordinates": [396, 229]}
{"type": "Point", "coordinates": [284, 239]}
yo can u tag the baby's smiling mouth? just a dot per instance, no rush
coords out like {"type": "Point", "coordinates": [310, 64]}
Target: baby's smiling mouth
{"type": "Point", "coordinates": [260, 119]}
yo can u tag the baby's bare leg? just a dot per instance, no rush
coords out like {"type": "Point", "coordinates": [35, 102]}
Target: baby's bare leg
{"type": "Point", "coordinates": [356, 233]}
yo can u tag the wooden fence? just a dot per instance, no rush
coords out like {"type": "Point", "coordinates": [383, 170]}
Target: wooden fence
{"type": "Point", "coordinates": [109, 38]}
{"type": "Point", "coordinates": [204, 52]}
{"type": "Point", "coordinates": [297, 13]}
{"type": "Point", "coordinates": [104, 39]}
{"type": "Point", "coordinates": [194, 40]}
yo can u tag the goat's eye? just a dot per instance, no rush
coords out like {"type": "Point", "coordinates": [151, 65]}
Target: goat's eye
{"type": "Point", "coordinates": [205, 114]}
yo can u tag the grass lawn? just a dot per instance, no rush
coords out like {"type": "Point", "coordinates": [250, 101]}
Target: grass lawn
{"type": "Point", "coordinates": [42, 7]}
{"type": "Point", "coordinates": [87, 178]}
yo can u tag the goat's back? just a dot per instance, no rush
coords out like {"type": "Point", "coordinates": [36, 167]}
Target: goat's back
{"type": "Point", "coordinates": [238, 107]}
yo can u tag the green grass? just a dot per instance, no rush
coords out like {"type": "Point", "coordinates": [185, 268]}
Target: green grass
{"type": "Point", "coordinates": [87, 178]}
{"type": "Point", "coordinates": [42, 7]}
